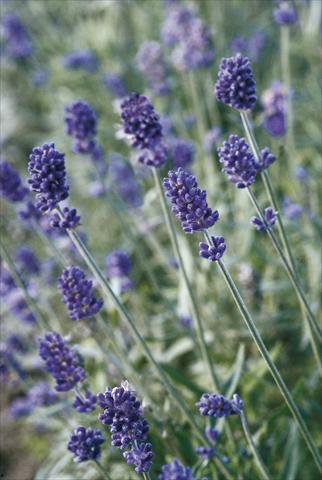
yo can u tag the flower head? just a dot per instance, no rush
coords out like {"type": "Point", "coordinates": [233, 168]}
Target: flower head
{"type": "Point", "coordinates": [270, 217]}
{"type": "Point", "coordinates": [77, 292]}
{"type": "Point", "coordinates": [123, 413]}
{"type": "Point", "coordinates": [140, 456]}
{"type": "Point", "coordinates": [86, 403]}
{"type": "Point", "coordinates": [214, 251]}
{"type": "Point", "coordinates": [124, 181]}
{"type": "Point", "coordinates": [141, 124]}
{"type": "Point", "coordinates": [81, 60]}
{"type": "Point", "coordinates": [182, 152]}
{"type": "Point", "coordinates": [114, 84]}
{"type": "Point", "coordinates": [285, 13]}
{"type": "Point", "coordinates": [176, 471]}
{"type": "Point", "coordinates": [27, 260]}
{"type": "Point", "coordinates": [238, 162]}
{"type": "Point", "coordinates": [150, 62]}
{"type": "Point", "coordinates": [118, 264]}
{"type": "Point", "coordinates": [85, 444]}
{"type": "Point", "coordinates": [216, 405]}
{"type": "Point", "coordinates": [189, 202]}
{"type": "Point", "coordinates": [18, 42]}
{"type": "Point", "coordinates": [81, 122]}
{"type": "Point", "coordinates": [11, 186]}
{"type": "Point", "coordinates": [47, 172]}
{"type": "Point", "coordinates": [61, 361]}
{"type": "Point", "coordinates": [275, 105]}
{"type": "Point", "coordinates": [236, 86]}
{"type": "Point", "coordinates": [71, 219]}
{"type": "Point", "coordinates": [41, 394]}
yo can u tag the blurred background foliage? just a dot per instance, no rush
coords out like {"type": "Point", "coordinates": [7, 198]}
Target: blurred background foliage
{"type": "Point", "coordinates": [32, 112]}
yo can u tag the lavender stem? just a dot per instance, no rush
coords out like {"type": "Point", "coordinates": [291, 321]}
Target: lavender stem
{"type": "Point", "coordinates": [102, 471]}
{"type": "Point", "coordinates": [258, 460]}
{"type": "Point", "coordinates": [268, 359]}
{"type": "Point", "coordinates": [290, 268]}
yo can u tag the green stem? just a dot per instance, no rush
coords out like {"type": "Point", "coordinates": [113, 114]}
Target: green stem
{"type": "Point", "coordinates": [290, 267]}
{"type": "Point", "coordinates": [127, 318]}
{"type": "Point", "coordinates": [146, 476]}
{"type": "Point", "coordinates": [313, 330]}
{"type": "Point", "coordinates": [259, 462]}
{"type": "Point", "coordinates": [21, 284]}
{"type": "Point", "coordinates": [102, 471]}
{"type": "Point", "coordinates": [268, 360]}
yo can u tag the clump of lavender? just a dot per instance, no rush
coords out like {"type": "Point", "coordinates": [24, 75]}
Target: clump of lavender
{"type": "Point", "coordinates": [114, 84]}
{"type": "Point", "coordinates": [47, 172]}
{"type": "Point", "coordinates": [77, 292]}
{"type": "Point", "coordinates": [124, 181]}
{"type": "Point", "coordinates": [189, 202]}
{"type": "Point", "coordinates": [81, 60]}
{"type": "Point", "coordinates": [61, 361]}
{"type": "Point", "coordinates": [182, 152]}
{"type": "Point", "coordinates": [175, 470]}
{"type": "Point", "coordinates": [150, 62]}
{"type": "Point", "coordinates": [70, 219]}
{"type": "Point", "coordinates": [81, 125]}
{"type": "Point", "coordinates": [11, 186]}
{"type": "Point", "coordinates": [141, 124]}
{"type": "Point", "coordinates": [27, 260]}
{"type": "Point", "coordinates": [190, 39]}
{"type": "Point", "coordinates": [18, 43]}
{"type": "Point", "coordinates": [251, 47]}
{"type": "Point", "coordinates": [236, 86]}
{"type": "Point", "coordinates": [270, 217]}
{"type": "Point", "coordinates": [216, 405]}
{"type": "Point", "coordinates": [122, 412]}
{"type": "Point", "coordinates": [85, 444]}
{"type": "Point", "coordinates": [275, 106]}
{"type": "Point", "coordinates": [239, 163]}
{"type": "Point", "coordinates": [85, 403]}
{"type": "Point", "coordinates": [285, 13]}
{"type": "Point", "coordinates": [211, 138]}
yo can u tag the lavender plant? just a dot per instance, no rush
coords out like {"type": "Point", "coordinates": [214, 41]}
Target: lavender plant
{"type": "Point", "coordinates": [101, 285]}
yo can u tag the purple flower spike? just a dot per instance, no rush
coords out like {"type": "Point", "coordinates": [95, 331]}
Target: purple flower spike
{"type": "Point", "coordinates": [150, 62]}
{"type": "Point", "coordinates": [214, 405]}
{"type": "Point", "coordinates": [81, 60]}
{"type": "Point", "coordinates": [275, 104]}
{"type": "Point", "coordinates": [267, 158]}
{"type": "Point", "coordinates": [114, 84]}
{"type": "Point", "coordinates": [205, 452]}
{"type": "Point", "coordinates": [71, 219]}
{"type": "Point", "coordinates": [17, 40]}
{"type": "Point", "coordinates": [189, 201]}
{"type": "Point", "coordinates": [141, 124]}
{"type": "Point", "coordinates": [212, 434]}
{"type": "Point", "coordinates": [182, 152]}
{"type": "Point", "coordinates": [239, 163]}
{"type": "Point", "coordinates": [285, 14]}
{"type": "Point", "coordinates": [270, 217]}
{"type": "Point", "coordinates": [236, 86]}
{"type": "Point", "coordinates": [47, 172]}
{"type": "Point", "coordinates": [237, 403]}
{"type": "Point", "coordinates": [85, 404]}
{"type": "Point", "coordinates": [118, 264]}
{"type": "Point", "coordinates": [61, 361]}
{"type": "Point", "coordinates": [11, 186]}
{"type": "Point", "coordinates": [77, 294]}
{"type": "Point", "coordinates": [140, 456]}
{"type": "Point", "coordinates": [27, 260]}
{"type": "Point", "coordinates": [122, 411]}
{"type": "Point", "coordinates": [176, 471]}
{"type": "Point", "coordinates": [213, 252]}
{"type": "Point", "coordinates": [81, 122]}
{"type": "Point", "coordinates": [85, 444]}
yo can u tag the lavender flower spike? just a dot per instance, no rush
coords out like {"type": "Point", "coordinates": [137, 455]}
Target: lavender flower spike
{"type": "Point", "coordinates": [213, 252]}
{"type": "Point", "coordinates": [285, 13]}
{"type": "Point", "coordinates": [238, 162]}
{"type": "Point", "coordinates": [71, 219]}
{"type": "Point", "coordinates": [85, 444]}
{"type": "Point", "coordinates": [61, 361]}
{"type": "Point", "coordinates": [270, 217]}
{"type": "Point", "coordinates": [81, 124]}
{"type": "Point", "coordinates": [215, 405]}
{"type": "Point", "coordinates": [85, 404]}
{"type": "Point", "coordinates": [77, 294]}
{"type": "Point", "coordinates": [189, 201]}
{"type": "Point", "coordinates": [11, 186]}
{"type": "Point", "coordinates": [236, 86]}
{"type": "Point", "coordinates": [176, 471]}
{"type": "Point", "coordinates": [140, 456]}
{"type": "Point", "coordinates": [47, 172]}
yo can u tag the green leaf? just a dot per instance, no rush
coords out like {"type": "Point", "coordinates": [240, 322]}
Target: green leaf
{"type": "Point", "coordinates": [291, 455]}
